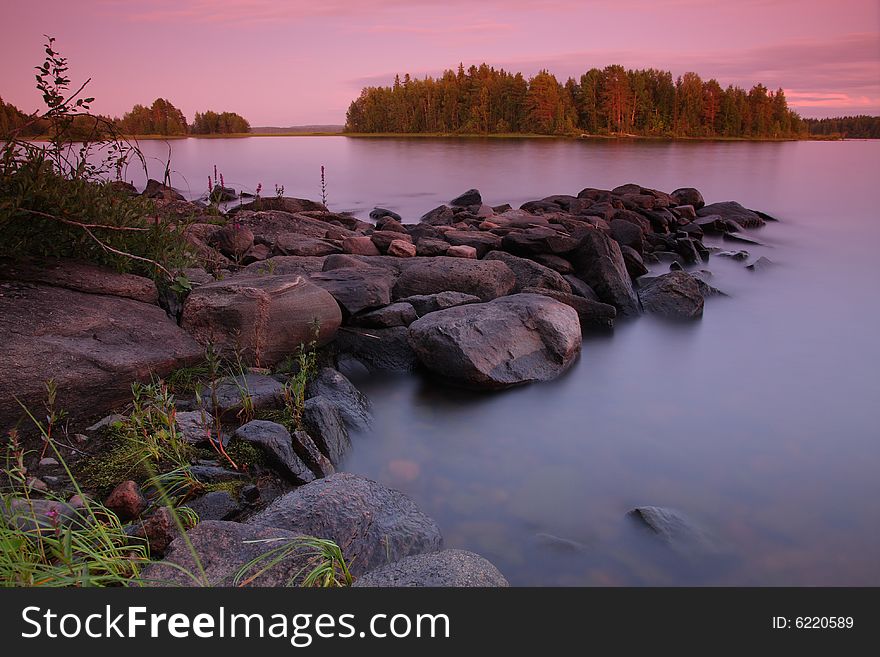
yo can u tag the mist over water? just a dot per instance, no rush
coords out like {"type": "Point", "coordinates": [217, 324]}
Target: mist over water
{"type": "Point", "coordinates": [759, 422]}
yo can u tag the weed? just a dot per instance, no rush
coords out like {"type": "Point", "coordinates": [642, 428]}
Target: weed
{"type": "Point", "coordinates": [325, 564]}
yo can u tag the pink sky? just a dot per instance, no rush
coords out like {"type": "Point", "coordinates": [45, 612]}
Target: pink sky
{"type": "Point", "coordinates": [292, 62]}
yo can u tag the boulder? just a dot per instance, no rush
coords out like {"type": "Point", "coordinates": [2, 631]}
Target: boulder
{"type": "Point", "coordinates": [358, 289]}
{"type": "Point", "coordinates": [284, 204]}
{"type": "Point", "coordinates": [430, 246]}
{"type": "Point", "coordinates": [262, 391]}
{"type": "Point", "coordinates": [93, 346]}
{"type": "Point", "coordinates": [36, 515]}
{"type": "Point", "coordinates": [470, 197]}
{"type": "Point", "coordinates": [277, 444]}
{"type": "Point", "coordinates": [513, 340]}
{"type": "Point", "coordinates": [485, 279]}
{"type": "Point", "coordinates": [323, 422]}
{"type": "Point", "coordinates": [761, 263]}
{"type": "Point", "coordinates": [157, 190]}
{"type": "Point", "coordinates": [634, 262]}
{"type": "Point", "coordinates": [311, 455]}
{"type": "Point", "coordinates": [293, 244]}
{"type": "Point", "coordinates": [592, 314]}
{"type": "Point", "coordinates": [286, 265]}
{"type": "Point", "coordinates": [264, 317]}
{"type": "Point", "coordinates": [554, 262]}
{"type": "Point", "coordinates": [380, 213]}
{"type": "Point", "coordinates": [439, 216]}
{"type": "Point", "coordinates": [688, 196]}
{"type": "Point", "coordinates": [447, 568]}
{"type": "Point", "coordinates": [674, 529]}
{"type": "Point", "coordinates": [732, 210]}
{"type": "Point", "coordinates": [194, 427]}
{"type": "Point", "coordinates": [599, 262]}
{"type": "Point", "coordinates": [675, 295]}
{"type": "Point", "coordinates": [580, 288]}
{"type": "Point", "coordinates": [627, 234]}
{"type": "Point", "coordinates": [531, 274]}
{"type": "Point", "coordinates": [373, 525]}
{"type": "Point", "coordinates": [352, 405]}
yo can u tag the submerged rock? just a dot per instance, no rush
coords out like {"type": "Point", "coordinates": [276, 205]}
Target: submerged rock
{"type": "Point", "coordinates": [674, 528]}
{"type": "Point", "coordinates": [675, 295]}
{"type": "Point", "coordinates": [352, 405]}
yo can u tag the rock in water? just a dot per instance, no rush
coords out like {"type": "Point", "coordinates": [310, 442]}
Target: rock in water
{"type": "Point", "coordinates": [599, 261]}
{"type": "Point", "coordinates": [267, 317]}
{"type": "Point", "coordinates": [530, 273]}
{"type": "Point", "coordinates": [517, 339]}
{"type": "Point", "coordinates": [674, 528]}
{"type": "Point", "coordinates": [688, 196]}
{"type": "Point", "coordinates": [353, 406]}
{"type": "Point", "coordinates": [676, 295]}
{"type": "Point", "coordinates": [470, 197]}
{"type": "Point", "coordinates": [733, 211]}
{"type": "Point", "coordinates": [447, 568]}
{"type": "Point", "coordinates": [373, 525]}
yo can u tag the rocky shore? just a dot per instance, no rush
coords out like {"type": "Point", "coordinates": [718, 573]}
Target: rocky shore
{"type": "Point", "coordinates": [475, 296]}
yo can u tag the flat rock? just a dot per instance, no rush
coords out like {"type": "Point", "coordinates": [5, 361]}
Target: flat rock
{"type": "Point", "coordinates": [592, 314]}
{"type": "Point", "coordinates": [396, 314]}
{"type": "Point", "coordinates": [263, 391]}
{"type": "Point", "coordinates": [429, 303]}
{"type": "Point", "coordinates": [384, 349]}
{"type": "Point", "coordinates": [674, 528]}
{"type": "Point", "coordinates": [216, 505]}
{"type": "Point", "coordinates": [734, 211]}
{"type": "Point", "coordinates": [530, 273]}
{"type": "Point", "coordinates": [358, 289]}
{"type": "Point", "coordinates": [447, 568]}
{"type": "Point", "coordinates": [352, 405]}
{"type": "Point", "coordinates": [674, 295]}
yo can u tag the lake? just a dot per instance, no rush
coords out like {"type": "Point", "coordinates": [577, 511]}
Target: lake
{"type": "Point", "coordinates": [761, 422]}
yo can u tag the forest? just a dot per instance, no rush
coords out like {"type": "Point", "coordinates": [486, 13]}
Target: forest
{"type": "Point", "coordinates": [160, 118]}
{"type": "Point", "coordinates": [610, 101]}
{"type": "Point", "coordinates": [846, 127]}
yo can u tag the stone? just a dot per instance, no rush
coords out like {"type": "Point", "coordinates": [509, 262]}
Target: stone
{"type": "Point", "coordinates": [356, 290]}
{"type": "Point", "coordinates": [761, 263]}
{"type": "Point", "coordinates": [735, 255]}
{"type": "Point", "coordinates": [353, 406]}
{"type": "Point", "coordinates": [308, 451]}
{"type": "Point", "coordinates": [106, 422]}
{"type": "Point", "coordinates": [470, 197]}
{"type": "Point", "coordinates": [430, 247]}
{"type": "Point", "coordinates": [277, 444]}
{"type": "Point", "coordinates": [580, 288]}
{"type": "Point", "coordinates": [462, 251]}
{"type": "Point", "coordinates": [380, 349]}
{"type": "Point", "coordinates": [284, 204]}
{"type": "Point", "coordinates": [396, 314]}
{"type": "Point", "coordinates": [257, 253]}
{"type": "Point", "coordinates": [232, 240]}
{"type": "Point", "coordinates": [223, 549]}
{"type": "Point", "coordinates": [592, 314]}
{"type": "Point", "coordinates": [484, 279]}
{"type": "Point", "coordinates": [323, 422]}
{"type": "Point", "coordinates": [40, 515]}
{"type": "Point", "coordinates": [264, 318]}
{"type": "Point", "coordinates": [599, 261]}
{"type": "Point", "coordinates": [688, 196]}
{"type": "Point", "coordinates": [216, 505]}
{"type": "Point", "coordinates": [482, 242]}
{"type": "Point", "coordinates": [262, 391]}
{"type": "Point", "coordinates": [155, 189]}
{"type": "Point", "coordinates": [627, 234]}
{"type": "Point", "coordinates": [195, 427]}
{"type": "Point", "coordinates": [540, 239]}
{"type": "Point", "coordinates": [294, 244]}
{"type": "Point", "coordinates": [158, 530]}
{"type": "Point", "coordinates": [447, 568]}
{"type": "Point", "coordinates": [80, 276]}
{"type": "Point", "coordinates": [554, 262]}
{"type": "Point", "coordinates": [635, 265]}
{"type": "Point", "coordinates": [126, 501]}
{"type": "Point", "coordinates": [286, 265]}
{"type": "Point", "coordinates": [509, 341]}
{"type": "Point", "coordinates": [402, 249]}
{"type": "Point", "coordinates": [379, 213]}
{"type": "Point", "coordinates": [530, 274]}
{"type": "Point", "coordinates": [429, 303]}
{"type": "Point", "coordinates": [675, 295]}
{"type": "Point", "coordinates": [732, 210]}
{"type": "Point", "coordinates": [373, 525]}
{"type": "Point", "coordinates": [94, 346]}
{"type": "Point", "coordinates": [440, 216]}
{"type": "Point", "coordinates": [360, 245]}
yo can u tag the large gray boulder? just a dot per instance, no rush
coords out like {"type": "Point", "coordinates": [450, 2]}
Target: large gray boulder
{"type": "Point", "coordinates": [357, 289]}
{"type": "Point", "coordinates": [353, 406]}
{"type": "Point", "coordinates": [263, 317]}
{"type": "Point", "coordinates": [277, 444]}
{"type": "Point", "coordinates": [675, 295]}
{"type": "Point", "coordinates": [484, 279]}
{"type": "Point", "coordinates": [92, 345]}
{"type": "Point", "coordinates": [322, 420]}
{"type": "Point", "coordinates": [447, 568]}
{"type": "Point", "coordinates": [373, 525]}
{"type": "Point", "coordinates": [509, 341]}
{"type": "Point", "coordinates": [599, 261]}
{"type": "Point", "coordinates": [688, 196]}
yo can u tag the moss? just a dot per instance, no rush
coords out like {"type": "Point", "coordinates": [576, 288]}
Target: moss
{"type": "Point", "coordinates": [245, 453]}
{"type": "Point", "coordinates": [231, 487]}
{"type": "Point", "coordinates": [101, 472]}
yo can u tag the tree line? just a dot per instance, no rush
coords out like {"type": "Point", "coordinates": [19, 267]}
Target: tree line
{"type": "Point", "coordinates": [846, 127]}
{"type": "Point", "coordinates": [160, 118]}
{"type": "Point", "coordinates": [610, 101]}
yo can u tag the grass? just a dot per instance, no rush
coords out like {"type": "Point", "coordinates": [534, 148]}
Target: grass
{"type": "Point", "coordinates": [325, 567]}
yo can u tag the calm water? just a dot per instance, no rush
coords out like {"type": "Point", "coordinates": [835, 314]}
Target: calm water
{"type": "Point", "coordinates": [760, 422]}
